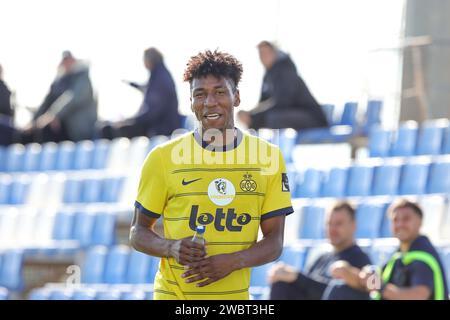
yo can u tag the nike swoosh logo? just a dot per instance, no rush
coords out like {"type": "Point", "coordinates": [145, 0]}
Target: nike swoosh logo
{"type": "Point", "coordinates": [185, 183]}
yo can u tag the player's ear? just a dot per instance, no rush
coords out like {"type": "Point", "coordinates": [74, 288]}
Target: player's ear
{"type": "Point", "coordinates": [237, 98]}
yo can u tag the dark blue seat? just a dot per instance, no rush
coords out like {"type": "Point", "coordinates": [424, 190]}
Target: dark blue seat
{"type": "Point", "coordinates": [312, 222]}
{"type": "Point", "coordinates": [379, 141]}
{"type": "Point", "coordinates": [94, 265]}
{"type": "Point", "coordinates": [308, 184]}
{"type": "Point", "coordinates": [334, 182]}
{"type": "Point", "coordinates": [368, 220]}
{"type": "Point", "coordinates": [386, 179]}
{"type": "Point", "coordinates": [83, 155]}
{"type": "Point", "coordinates": [103, 232]}
{"type": "Point", "coordinates": [116, 265]}
{"type": "Point", "coordinates": [430, 137]}
{"type": "Point", "coordinates": [404, 143]}
{"type": "Point", "coordinates": [439, 177]}
{"type": "Point", "coordinates": [32, 157]}
{"type": "Point", "coordinates": [359, 180]}
{"type": "Point", "coordinates": [414, 178]}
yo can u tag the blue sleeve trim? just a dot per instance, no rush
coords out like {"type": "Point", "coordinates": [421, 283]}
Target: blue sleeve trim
{"type": "Point", "coordinates": [149, 213]}
{"type": "Point", "coordinates": [279, 212]}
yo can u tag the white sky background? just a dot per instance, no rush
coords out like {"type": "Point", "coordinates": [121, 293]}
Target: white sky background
{"type": "Point", "coordinates": [330, 41]}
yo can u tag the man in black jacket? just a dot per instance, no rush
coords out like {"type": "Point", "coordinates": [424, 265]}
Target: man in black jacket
{"type": "Point", "coordinates": [285, 100]}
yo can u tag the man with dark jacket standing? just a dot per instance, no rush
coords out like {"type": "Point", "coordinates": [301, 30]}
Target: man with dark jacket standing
{"type": "Point", "coordinates": [285, 100]}
{"type": "Point", "coordinates": [158, 114]}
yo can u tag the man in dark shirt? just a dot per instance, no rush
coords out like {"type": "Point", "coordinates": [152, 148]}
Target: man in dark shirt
{"type": "Point", "coordinates": [285, 101]}
{"type": "Point", "coordinates": [6, 109]}
{"type": "Point", "coordinates": [415, 271]}
{"type": "Point", "coordinates": [346, 259]}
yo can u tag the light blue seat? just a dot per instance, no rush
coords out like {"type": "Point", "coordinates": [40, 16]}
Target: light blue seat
{"type": "Point", "coordinates": [308, 184]}
{"type": "Point", "coordinates": [386, 179]}
{"type": "Point", "coordinates": [439, 177]}
{"type": "Point", "coordinates": [430, 137]}
{"type": "Point", "coordinates": [83, 155]}
{"type": "Point", "coordinates": [15, 154]}
{"type": "Point", "coordinates": [103, 232]}
{"type": "Point", "coordinates": [39, 294]}
{"type": "Point", "coordinates": [404, 143]}
{"type": "Point", "coordinates": [368, 220]}
{"type": "Point", "coordinates": [133, 295]}
{"type": "Point", "coordinates": [359, 180]}
{"type": "Point", "coordinates": [334, 182]}
{"type": "Point", "coordinates": [258, 277]}
{"type": "Point", "coordinates": [5, 190]}
{"type": "Point", "coordinates": [11, 271]}
{"type": "Point", "coordinates": [4, 293]}
{"type": "Point", "coordinates": [112, 188]}
{"type": "Point", "coordinates": [60, 294]}
{"type": "Point", "coordinates": [116, 265]}
{"type": "Point", "coordinates": [138, 270]}
{"type": "Point", "coordinates": [2, 159]}
{"type": "Point", "coordinates": [91, 190]}
{"type": "Point", "coordinates": [348, 116]}
{"type": "Point", "coordinates": [100, 153]}
{"type": "Point", "coordinates": [372, 116]}
{"type": "Point", "coordinates": [65, 155]}
{"type": "Point", "coordinates": [109, 295]}
{"type": "Point", "coordinates": [446, 141]}
{"type": "Point", "coordinates": [84, 294]}
{"type": "Point", "coordinates": [49, 156]}
{"type": "Point", "coordinates": [287, 141]}
{"type": "Point", "coordinates": [18, 191]}
{"type": "Point", "coordinates": [63, 225]}
{"type": "Point", "coordinates": [83, 227]}
{"type": "Point", "coordinates": [154, 266]}
{"type": "Point", "coordinates": [312, 222]}
{"type": "Point", "coordinates": [379, 141]}
{"type": "Point", "coordinates": [94, 265]}
{"type": "Point", "coordinates": [385, 231]}
{"type": "Point", "coordinates": [294, 256]}
{"type": "Point", "coordinates": [32, 157]}
{"type": "Point", "coordinates": [414, 178]}
{"type": "Point", "coordinates": [72, 190]}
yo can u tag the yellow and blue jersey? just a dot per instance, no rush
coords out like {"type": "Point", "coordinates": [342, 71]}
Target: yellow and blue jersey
{"type": "Point", "coordinates": [229, 191]}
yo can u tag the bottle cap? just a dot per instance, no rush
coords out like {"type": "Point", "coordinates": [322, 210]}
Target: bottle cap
{"type": "Point", "coordinates": [200, 229]}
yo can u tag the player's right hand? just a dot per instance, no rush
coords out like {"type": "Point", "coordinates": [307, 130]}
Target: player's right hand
{"type": "Point", "coordinates": [185, 251]}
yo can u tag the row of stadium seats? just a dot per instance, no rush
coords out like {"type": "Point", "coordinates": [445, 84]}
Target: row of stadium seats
{"type": "Point", "coordinates": [431, 138]}
{"type": "Point", "coordinates": [100, 154]}
{"type": "Point", "coordinates": [4, 294]}
{"type": "Point", "coordinates": [409, 176]}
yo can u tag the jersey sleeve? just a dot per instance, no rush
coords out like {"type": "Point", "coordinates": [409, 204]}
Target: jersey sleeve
{"type": "Point", "coordinates": [152, 192]}
{"type": "Point", "coordinates": [277, 200]}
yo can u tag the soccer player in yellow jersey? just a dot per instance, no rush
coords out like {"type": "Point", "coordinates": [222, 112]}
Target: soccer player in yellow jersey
{"type": "Point", "coordinates": [231, 182]}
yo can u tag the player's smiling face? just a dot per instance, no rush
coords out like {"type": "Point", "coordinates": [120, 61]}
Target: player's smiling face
{"type": "Point", "coordinates": [213, 100]}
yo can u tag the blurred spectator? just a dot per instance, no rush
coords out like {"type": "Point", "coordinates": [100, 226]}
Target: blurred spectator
{"type": "Point", "coordinates": [346, 259]}
{"type": "Point", "coordinates": [6, 108]}
{"type": "Point", "coordinates": [69, 110]}
{"type": "Point", "coordinates": [158, 114]}
{"type": "Point", "coordinates": [415, 271]}
{"type": "Point", "coordinates": [285, 100]}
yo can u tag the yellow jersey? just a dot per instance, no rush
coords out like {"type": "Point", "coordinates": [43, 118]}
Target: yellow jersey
{"type": "Point", "coordinates": [230, 191]}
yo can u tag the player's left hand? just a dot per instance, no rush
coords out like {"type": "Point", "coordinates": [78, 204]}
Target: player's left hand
{"type": "Point", "coordinates": [211, 268]}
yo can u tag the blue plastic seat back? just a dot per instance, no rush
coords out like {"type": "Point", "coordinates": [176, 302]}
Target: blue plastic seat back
{"type": "Point", "coordinates": [379, 141]}
{"type": "Point", "coordinates": [104, 229]}
{"type": "Point", "coordinates": [312, 222]}
{"type": "Point", "coordinates": [334, 182]}
{"type": "Point", "coordinates": [404, 142]}
{"type": "Point", "coordinates": [414, 178]}
{"type": "Point", "coordinates": [386, 180]}
{"type": "Point", "coordinates": [368, 220]}
{"type": "Point", "coordinates": [94, 265]}
{"type": "Point", "coordinates": [439, 177]}
{"type": "Point", "coordinates": [116, 265]}
{"type": "Point", "coordinates": [359, 180]}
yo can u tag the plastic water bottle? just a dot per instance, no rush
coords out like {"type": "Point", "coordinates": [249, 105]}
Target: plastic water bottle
{"type": "Point", "coordinates": [198, 236]}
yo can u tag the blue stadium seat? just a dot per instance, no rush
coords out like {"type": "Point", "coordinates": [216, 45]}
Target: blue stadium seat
{"type": "Point", "coordinates": [83, 227]}
{"type": "Point", "coordinates": [72, 190]}
{"type": "Point", "coordinates": [14, 158]}
{"type": "Point", "coordinates": [84, 294]}
{"type": "Point", "coordinates": [312, 222]}
{"type": "Point", "coordinates": [258, 277]}
{"type": "Point", "coordinates": [133, 295]}
{"type": "Point", "coordinates": [5, 189]}
{"type": "Point", "coordinates": [359, 180]}
{"type": "Point", "coordinates": [138, 269]}
{"type": "Point", "coordinates": [103, 232]}
{"type": "Point", "coordinates": [414, 178]}
{"type": "Point", "coordinates": [116, 265]}
{"type": "Point", "coordinates": [83, 155]}
{"type": "Point", "coordinates": [287, 141]}
{"type": "Point", "coordinates": [4, 293]}
{"type": "Point", "coordinates": [2, 159]}
{"type": "Point", "coordinates": [94, 265]}
{"type": "Point", "coordinates": [368, 220]}
{"type": "Point", "coordinates": [157, 140]}
{"type": "Point", "coordinates": [19, 191]}
{"type": "Point", "coordinates": [430, 137]}
{"type": "Point", "coordinates": [372, 115]}
{"type": "Point", "coordinates": [446, 141]}
{"type": "Point", "coordinates": [48, 157]}
{"type": "Point", "coordinates": [100, 153]}
{"type": "Point", "coordinates": [404, 143]}
{"type": "Point", "coordinates": [308, 184]}
{"type": "Point", "coordinates": [11, 271]}
{"type": "Point", "coordinates": [91, 190]}
{"type": "Point", "coordinates": [385, 231]}
{"type": "Point", "coordinates": [154, 266]}
{"type": "Point", "coordinates": [334, 182]}
{"type": "Point", "coordinates": [379, 141]}
{"type": "Point", "coordinates": [113, 294]}
{"type": "Point", "coordinates": [32, 157]}
{"type": "Point", "coordinates": [112, 188]}
{"type": "Point", "coordinates": [380, 254]}
{"type": "Point", "coordinates": [386, 180]}
{"type": "Point", "coordinates": [60, 294]}
{"type": "Point", "coordinates": [65, 155]}
{"type": "Point", "coordinates": [328, 109]}
{"type": "Point", "coordinates": [63, 225]}
{"type": "Point", "coordinates": [294, 256]}
{"type": "Point", "coordinates": [439, 177]}
{"type": "Point", "coordinates": [39, 294]}
{"type": "Point", "coordinates": [348, 116]}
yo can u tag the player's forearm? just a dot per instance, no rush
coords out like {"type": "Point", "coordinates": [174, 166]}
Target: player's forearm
{"type": "Point", "coordinates": [262, 252]}
{"type": "Point", "coordinates": [147, 241]}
